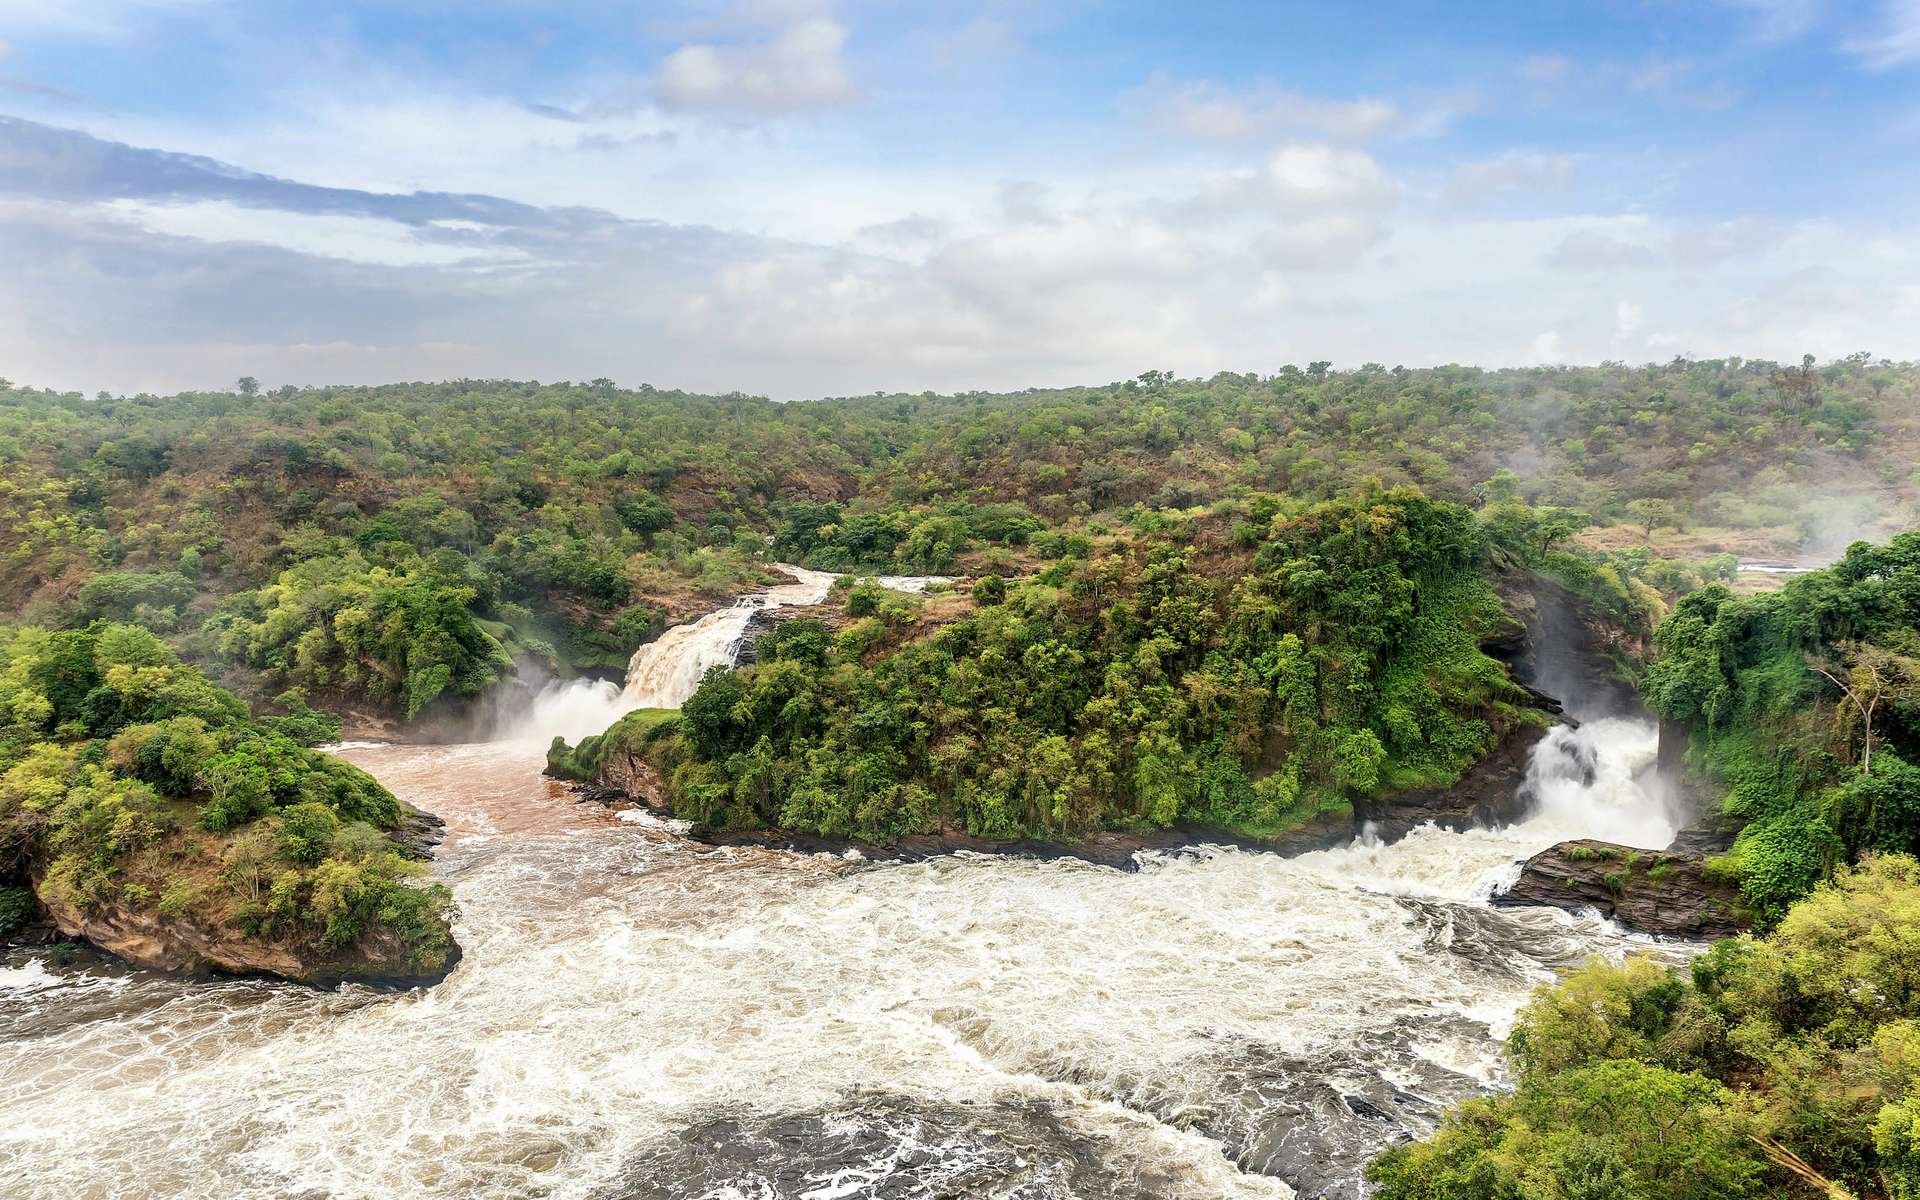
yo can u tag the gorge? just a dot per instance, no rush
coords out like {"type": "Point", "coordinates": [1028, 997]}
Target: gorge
{"type": "Point", "coordinates": [639, 1015]}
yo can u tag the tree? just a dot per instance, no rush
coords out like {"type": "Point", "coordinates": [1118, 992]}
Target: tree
{"type": "Point", "coordinates": [1656, 513]}
{"type": "Point", "coordinates": [1869, 676]}
{"type": "Point", "coordinates": [1798, 388]}
{"type": "Point", "coordinates": [247, 385]}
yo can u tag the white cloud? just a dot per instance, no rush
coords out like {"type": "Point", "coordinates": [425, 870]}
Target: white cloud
{"type": "Point", "coordinates": [1545, 350]}
{"type": "Point", "coordinates": [1308, 177]}
{"type": "Point", "coordinates": [799, 69]}
{"type": "Point", "coordinates": [1515, 171]}
{"type": "Point", "coordinates": [1896, 43]}
{"type": "Point", "coordinates": [1626, 319]}
{"type": "Point", "coordinates": [1695, 246]}
{"type": "Point", "coordinates": [1780, 20]}
{"type": "Point", "coordinates": [791, 272]}
{"type": "Point", "coordinates": [1210, 112]}
{"type": "Point", "coordinates": [349, 238]}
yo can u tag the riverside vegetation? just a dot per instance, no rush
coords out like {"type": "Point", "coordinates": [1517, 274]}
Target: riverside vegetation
{"type": "Point", "coordinates": [1784, 1065]}
{"type": "Point", "coordinates": [1247, 601]}
{"type": "Point", "coordinates": [129, 783]}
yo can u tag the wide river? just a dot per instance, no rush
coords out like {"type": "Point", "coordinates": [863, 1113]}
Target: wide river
{"type": "Point", "coordinates": [641, 1016]}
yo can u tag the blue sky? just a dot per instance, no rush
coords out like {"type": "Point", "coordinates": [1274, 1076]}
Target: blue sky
{"type": "Point", "coordinates": [804, 197]}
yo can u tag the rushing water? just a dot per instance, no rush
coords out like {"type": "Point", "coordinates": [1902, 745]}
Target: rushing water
{"type": "Point", "coordinates": [640, 1016]}
{"type": "Point", "coordinates": [665, 671]}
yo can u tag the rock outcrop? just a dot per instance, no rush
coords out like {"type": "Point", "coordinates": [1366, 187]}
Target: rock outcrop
{"type": "Point", "coordinates": [206, 942]}
{"type": "Point", "coordinates": [1667, 892]}
{"type": "Point", "coordinates": [1488, 794]}
{"type": "Point", "coordinates": [182, 943]}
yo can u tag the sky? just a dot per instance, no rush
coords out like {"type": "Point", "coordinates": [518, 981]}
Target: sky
{"type": "Point", "coordinates": [798, 198]}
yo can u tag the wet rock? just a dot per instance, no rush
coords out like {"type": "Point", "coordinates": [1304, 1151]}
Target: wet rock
{"type": "Point", "coordinates": [1488, 794]}
{"type": "Point", "coordinates": [1710, 834]}
{"type": "Point", "coordinates": [1568, 652]}
{"type": "Point", "coordinates": [1316, 1120]}
{"type": "Point", "coordinates": [1662, 892]}
{"type": "Point", "coordinates": [419, 832]}
{"type": "Point", "coordinates": [833, 616]}
{"type": "Point", "coordinates": [627, 776]}
{"type": "Point", "coordinates": [889, 1148]}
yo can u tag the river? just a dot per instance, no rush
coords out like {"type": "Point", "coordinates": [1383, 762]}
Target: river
{"type": "Point", "coordinates": [641, 1016]}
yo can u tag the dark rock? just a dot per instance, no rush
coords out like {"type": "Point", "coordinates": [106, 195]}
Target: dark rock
{"type": "Point", "coordinates": [1711, 834]}
{"type": "Point", "coordinates": [419, 832]}
{"type": "Point", "coordinates": [888, 1148]}
{"type": "Point", "coordinates": [1488, 794]}
{"type": "Point", "coordinates": [834, 617]}
{"type": "Point", "coordinates": [1568, 652]}
{"type": "Point", "coordinates": [1656, 891]}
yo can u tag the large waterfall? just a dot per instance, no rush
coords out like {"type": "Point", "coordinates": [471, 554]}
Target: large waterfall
{"type": "Point", "coordinates": [639, 1016]}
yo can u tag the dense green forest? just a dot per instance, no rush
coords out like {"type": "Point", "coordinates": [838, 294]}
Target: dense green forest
{"type": "Point", "coordinates": [408, 547]}
{"type": "Point", "coordinates": [1787, 1065]}
{"type": "Point", "coordinates": [130, 783]}
{"type": "Point", "coordinates": [1805, 705]}
{"type": "Point", "coordinates": [1243, 670]}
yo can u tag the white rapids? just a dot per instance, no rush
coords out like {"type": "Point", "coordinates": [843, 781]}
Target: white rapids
{"type": "Point", "coordinates": [637, 1015]}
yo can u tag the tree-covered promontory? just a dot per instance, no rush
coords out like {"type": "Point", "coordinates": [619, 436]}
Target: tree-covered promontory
{"type": "Point", "coordinates": [148, 811]}
{"type": "Point", "coordinates": [1245, 670]}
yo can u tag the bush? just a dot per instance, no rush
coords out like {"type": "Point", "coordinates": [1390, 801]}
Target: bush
{"type": "Point", "coordinates": [17, 908]}
{"type": "Point", "coordinates": [306, 830]}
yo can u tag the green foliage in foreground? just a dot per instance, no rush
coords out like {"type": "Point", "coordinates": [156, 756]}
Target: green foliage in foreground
{"type": "Point", "coordinates": [1784, 1066]}
{"type": "Point", "coordinates": [1146, 684]}
{"type": "Point", "coordinates": [1805, 703]}
{"type": "Point", "coordinates": [131, 781]}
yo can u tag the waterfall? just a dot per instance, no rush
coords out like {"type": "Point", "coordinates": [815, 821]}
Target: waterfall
{"type": "Point", "coordinates": [665, 671]}
{"type": "Point", "coordinates": [1594, 781]}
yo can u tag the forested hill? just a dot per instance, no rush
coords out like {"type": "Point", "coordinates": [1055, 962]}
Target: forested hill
{"type": "Point", "coordinates": [411, 545]}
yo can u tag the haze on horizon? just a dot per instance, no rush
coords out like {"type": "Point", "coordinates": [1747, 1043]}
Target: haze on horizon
{"type": "Point", "coordinates": [798, 197]}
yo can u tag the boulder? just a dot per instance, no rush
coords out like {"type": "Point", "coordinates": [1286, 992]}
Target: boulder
{"type": "Point", "coordinates": [1666, 892]}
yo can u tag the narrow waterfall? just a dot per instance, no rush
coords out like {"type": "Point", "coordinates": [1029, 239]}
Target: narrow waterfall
{"type": "Point", "coordinates": [665, 671]}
